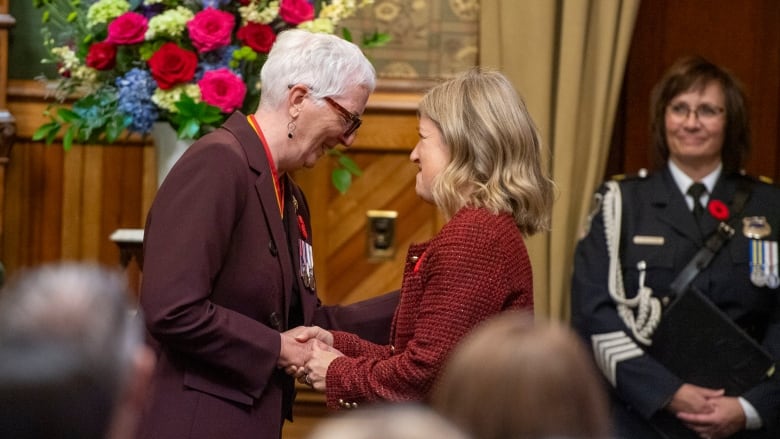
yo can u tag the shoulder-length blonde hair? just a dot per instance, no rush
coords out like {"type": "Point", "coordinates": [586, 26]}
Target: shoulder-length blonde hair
{"type": "Point", "coordinates": [496, 150]}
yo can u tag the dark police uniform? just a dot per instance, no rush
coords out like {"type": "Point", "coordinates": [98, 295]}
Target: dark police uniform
{"type": "Point", "coordinates": [658, 228]}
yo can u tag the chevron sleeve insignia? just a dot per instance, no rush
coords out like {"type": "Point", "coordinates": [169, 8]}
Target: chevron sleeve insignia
{"type": "Point", "coordinates": [610, 349]}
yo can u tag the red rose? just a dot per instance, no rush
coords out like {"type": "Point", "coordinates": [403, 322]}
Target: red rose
{"type": "Point", "coordinates": [172, 65]}
{"type": "Point", "coordinates": [211, 29]}
{"type": "Point", "coordinates": [128, 28]}
{"type": "Point", "coordinates": [101, 56]}
{"type": "Point", "coordinates": [718, 210]}
{"type": "Point", "coordinates": [296, 12]}
{"type": "Point", "coordinates": [223, 89]}
{"type": "Point", "coordinates": [260, 37]}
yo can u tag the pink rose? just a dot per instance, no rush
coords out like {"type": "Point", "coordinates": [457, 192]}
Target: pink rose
{"type": "Point", "coordinates": [172, 65]}
{"type": "Point", "coordinates": [296, 12]}
{"type": "Point", "coordinates": [223, 89]}
{"type": "Point", "coordinates": [128, 28]}
{"type": "Point", "coordinates": [260, 37]}
{"type": "Point", "coordinates": [101, 56]}
{"type": "Point", "coordinates": [211, 29]}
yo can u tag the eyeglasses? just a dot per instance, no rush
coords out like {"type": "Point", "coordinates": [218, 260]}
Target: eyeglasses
{"type": "Point", "coordinates": [352, 119]}
{"type": "Point", "coordinates": [704, 112]}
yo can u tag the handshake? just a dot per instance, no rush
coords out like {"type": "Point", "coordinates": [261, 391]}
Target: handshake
{"type": "Point", "coordinates": [306, 353]}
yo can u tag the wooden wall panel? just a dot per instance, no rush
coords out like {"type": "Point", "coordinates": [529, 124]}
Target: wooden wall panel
{"type": "Point", "coordinates": [64, 205]}
{"type": "Point", "coordinates": [388, 184]}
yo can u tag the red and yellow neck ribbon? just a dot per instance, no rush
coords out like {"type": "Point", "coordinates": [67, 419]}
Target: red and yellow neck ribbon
{"type": "Point", "coordinates": [278, 186]}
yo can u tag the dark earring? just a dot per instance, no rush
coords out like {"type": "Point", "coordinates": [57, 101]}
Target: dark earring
{"type": "Point", "coordinates": [290, 129]}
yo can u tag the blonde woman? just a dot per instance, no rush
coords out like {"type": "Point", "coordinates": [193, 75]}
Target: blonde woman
{"type": "Point", "coordinates": [479, 156]}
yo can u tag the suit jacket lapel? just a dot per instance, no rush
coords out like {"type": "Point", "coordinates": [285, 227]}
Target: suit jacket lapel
{"type": "Point", "coordinates": [264, 188]}
{"type": "Point", "coordinates": [295, 208]}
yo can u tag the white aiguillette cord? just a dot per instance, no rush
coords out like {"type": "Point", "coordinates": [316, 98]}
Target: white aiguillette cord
{"type": "Point", "coordinates": [648, 308]}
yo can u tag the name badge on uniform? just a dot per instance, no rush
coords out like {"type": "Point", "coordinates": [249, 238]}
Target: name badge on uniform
{"type": "Point", "coordinates": [306, 264]}
{"type": "Point", "coordinates": [756, 227]}
{"type": "Point", "coordinates": [648, 240]}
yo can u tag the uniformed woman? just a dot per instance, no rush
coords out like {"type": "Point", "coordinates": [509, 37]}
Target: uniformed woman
{"type": "Point", "coordinates": [643, 234]}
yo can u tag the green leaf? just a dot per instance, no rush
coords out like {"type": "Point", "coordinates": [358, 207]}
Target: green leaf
{"type": "Point", "coordinates": [51, 136]}
{"type": "Point", "coordinates": [115, 126]}
{"type": "Point", "coordinates": [193, 115]}
{"type": "Point", "coordinates": [67, 115]}
{"type": "Point", "coordinates": [350, 165]}
{"type": "Point", "coordinates": [346, 34]}
{"type": "Point", "coordinates": [377, 39]}
{"type": "Point", "coordinates": [67, 139]}
{"type": "Point", "coordinates": [45, 130]}
{"type": "Point", "coordinates": [341, 179]}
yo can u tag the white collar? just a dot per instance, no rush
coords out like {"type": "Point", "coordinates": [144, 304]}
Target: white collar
{"type": "Point", "coordinates": [684, 182]}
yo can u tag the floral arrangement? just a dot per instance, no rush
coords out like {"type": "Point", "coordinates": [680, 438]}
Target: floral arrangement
{"type": "Point", "coordinates": [191, 63]}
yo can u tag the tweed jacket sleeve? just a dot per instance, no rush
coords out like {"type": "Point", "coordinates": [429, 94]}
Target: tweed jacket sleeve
{"type": "Point", "coordinates": [353, 346]}
{"type": "Point", "coordinates": [477, 266]}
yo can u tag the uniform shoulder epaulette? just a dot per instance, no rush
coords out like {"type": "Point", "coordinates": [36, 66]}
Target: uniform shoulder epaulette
{"type": "Point", "coordinates": [639, 175]}
{"type": "Point", "coordinates": [760, 178]}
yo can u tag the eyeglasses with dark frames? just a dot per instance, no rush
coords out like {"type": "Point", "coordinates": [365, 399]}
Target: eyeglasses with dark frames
{"type": "Point", "coordinates": [352, 119]}
{"type": "Point", "coordinates": [704, 112]}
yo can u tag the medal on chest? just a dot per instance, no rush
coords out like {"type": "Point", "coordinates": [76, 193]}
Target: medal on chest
{"type": "Point", "coordinates": [763, 253]}
{"type": "Point", "coordinates": [305, 253]}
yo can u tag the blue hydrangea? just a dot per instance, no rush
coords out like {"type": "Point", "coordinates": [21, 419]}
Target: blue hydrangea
{"type": "Point", "coordinates": [135, 98]}
{"type": "Point", "coordinates": [216, 59]}
{"type": "Point", "coordinates": [216, 4]}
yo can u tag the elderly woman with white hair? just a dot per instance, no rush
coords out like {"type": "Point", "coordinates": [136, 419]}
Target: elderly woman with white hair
{"type": "Point", "coordinates": [227, 247]}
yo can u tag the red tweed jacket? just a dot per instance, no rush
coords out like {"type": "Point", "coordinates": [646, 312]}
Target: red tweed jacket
{"type": "Point", "coordinates": [475, 267]}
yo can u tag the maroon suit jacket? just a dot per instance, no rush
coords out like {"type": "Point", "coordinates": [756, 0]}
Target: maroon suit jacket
{"type": "Point", "coordinates": [220, 270]}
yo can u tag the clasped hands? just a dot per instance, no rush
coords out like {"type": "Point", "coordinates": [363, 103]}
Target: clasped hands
{"type": "Point", "coordinates": [708, 412]}
{"type": "Point", "coordinates": [306, 353]}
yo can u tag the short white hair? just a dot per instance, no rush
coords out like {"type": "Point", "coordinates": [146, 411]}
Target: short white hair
{"type": "Point", "coordinates": [327, 64]}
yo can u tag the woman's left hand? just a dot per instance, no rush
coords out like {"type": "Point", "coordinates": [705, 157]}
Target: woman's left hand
{"type": "Point", "coordinates": [317, 366]}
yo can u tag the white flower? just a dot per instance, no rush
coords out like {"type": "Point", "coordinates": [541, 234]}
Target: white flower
{"type": "Point", "coordinates": [170, 23]}
{"type": "Point", "coordinates": [166, 99]}
{"type": "Point", "coordinates": [252, 13]}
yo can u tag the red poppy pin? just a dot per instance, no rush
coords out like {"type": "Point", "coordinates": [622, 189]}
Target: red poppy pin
{"type": "Point", "coordinates": [302, 227]}
{"type": "Point", "coordinates": [718, 210]}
